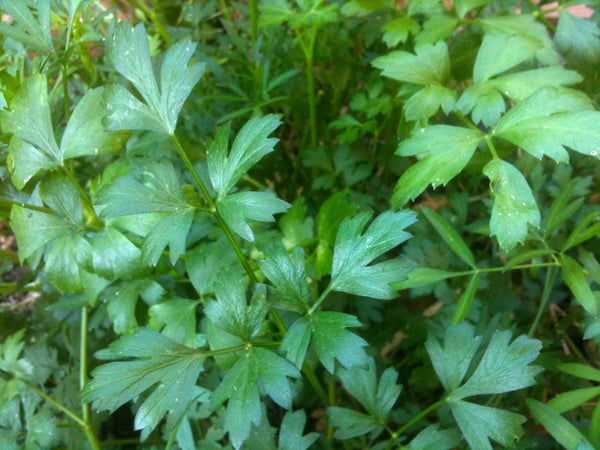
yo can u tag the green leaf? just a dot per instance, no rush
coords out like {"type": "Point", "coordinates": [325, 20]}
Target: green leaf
{"type": "Point", "coordinates": [397, 30]}
{"type": "Point", "coordinates": [549, 120]}
{"type": "Point", "coordinates": [521, 85]}
{"type": "Point", "coordinates": [231, 312]}
{"type": "Point", "coordinates": [569, 400]}
{"type": "Point", "coordinates": [114, 256]}
{"type": "Point", "coordinates": [33, 33]}
{"type": "Point", "coordinates": [430, 65]}
{"type": "Point", "coordinates": [464, 6]}
{"type": "Point", "coordinates": [148, 186]}
{"type": "Point", "coordinates": [354, 251]}
{"type": "Point", "coordinates": [500, 52]}
{"type": "Point", "coordinates": [205, 262]}
{"type": "Point", "coordinates": [297, 229]}
{"type": "Point", "coordinates": [330, 338]}
{"type": "Point", "coordinates": [503, 368]}
{"type": "Point", "coordinates": [350, 423]}
{"type": "Point", "coordinates": [60, 236]}
{"type": "Point", "coordinates": [257, 370]}
{"type": "Point", "coordinates": [378, 398]}
{"type": "Point", "coordinates": [433, 437]}
{"type": "Point", "coordinates": [290, 434]}
{"type": "Point", "coordinates": [274, 12]}
{"type": "Point", "coordinates": [29, 117]}
{"type": "Point", "coordinates": [450, 236]}
{"type": "Point", "coordinates": [572, 274]}
{"type": "Point", "coordinates": [525, 26]}
{"type": "Point", "coordinates": [250, 145]}
{"type": "Point", "coordinates": [484, 102]}
{"type": "Point", "coordinates": [565, 434]}
{"type": "Point", "coordinates": [178, 316]}
{"type": "Point", "coordinates": [29, 120]}
{"type": "Point", "coordinates": [129, 52]}
{"type": "Point", "coordinates": [422, 276]}
{"type": "Point", "coordinates": [581, 371]}
{"type": "Point", "coordinates": [582, 232]}
{"type": "Point", "coordinates": [122, 298]}
{"type": "Point", "coordinates": [514, 204]}
{"type": "Point", "coordinates": [466, 300]}
{"type": "Point", "coordinates": [172, 231]}
{"type": "Point", "coordinates": [578, 38]}
{"type": "Point", "coordinates": [435, 29]}
{"type": "Point", "coordinates": [426, 102]}
{"type": "Point", "coordinates": [561, 210]}
{"type": "Point", "coordinates": [157, 361]}
{"type": "Point", "coordinates": [443, 151]}
{"type": "Point", "coordinates": [237, 208]}
{"type": "Point", "coordinates": [288, 275]}
{"type": "Point", "coordinates": [480, 423]}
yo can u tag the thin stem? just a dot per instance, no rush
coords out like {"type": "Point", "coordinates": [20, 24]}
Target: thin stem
{"type": "Point", "coordinates": [90, 218]}
{"type": "Point", "coordinates": [65, 85]}
{"type": "Point", "coordinates": [310, 79]}
{"type": "Point", "coordinates": [192, 169]}
{"type": "Point", "coordinates": [316, 384]}
{"type": "Point", "coordinates": [418, 417]}
{"type": "Point", "coordinates": [490, 144]}
{"type": "Point", "coordinates": [253, 6]}
{"type": "Point", "coordinates": [54, 403]}
{"type": "Point", "coordinates": [466, 121]}
{"type": "Point", "coordinates": [7, 204]}
{"type": "Point", "coordinates": [320, 300]}
{"type": "Point", "coordinates": [87, 427]}
{"type": "Point", "coordinates": [551, 275]}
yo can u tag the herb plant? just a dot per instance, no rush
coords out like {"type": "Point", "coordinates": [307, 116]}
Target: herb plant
{"type": "Point", "coordinates": [300, 224]}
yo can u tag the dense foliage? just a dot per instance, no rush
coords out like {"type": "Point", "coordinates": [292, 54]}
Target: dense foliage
{"type": "Point", "coordinates": [300, 224]}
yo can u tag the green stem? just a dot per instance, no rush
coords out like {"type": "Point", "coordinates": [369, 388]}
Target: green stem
{"type": "Point", "coordinates": [308, 48]}
{"type": "Point", "coordinates": [87, 427]}
{"type": "Point", "coordinates": [65, 85]}
{"type": "Point", "coordinates": [551, 275]}
{"type": "Point", "coordinates": [89, 215]}
{"type": "Point", "coordinates": [594, 432]}
{"type": "Point", "coordinates": [466, 121]}
{"type": "Point", "coordinates": [8, 204]}
{"type": "Point", "coordinates": [418, 417]}
{"type": "Point", "coordinates": [537, 13]}
{"type": "Point", "coordinates": [490, 144]}
{"type": "Point", "coordinates": [257, 184]}
{"type": "Point", "coordinates": [320, 300]}
{"type": "Point", "coordinates": [54, 403]}
{"type": "Point", "coordinates": [316, 384]}
{"type": "Point", "coordinates": [192, 170]}
{"type": "Point", "coordinates": [253, 6]}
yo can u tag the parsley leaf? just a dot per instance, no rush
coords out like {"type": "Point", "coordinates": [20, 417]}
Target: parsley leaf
{"type": "Point", "coordinates": [549, 120]}
{"type": "Point", "coordinates": [330, 339]}
{"type": "Point", "coordinates": [59, 236]}
{"type": "Point", "coordinates": [443, 151]}
{"type": "Point", "coordinates": [288, 275]}
{"type": "Point", "coordinates": [33, 33]}
{"type": "Point", "coordinates": [250, 145]}
{"type": "Point", "coordinates": [157, 360]}
{"type": "Point", "coordinates": [28, 120]}
{"type": "Point", "coordinates": [258, 369]}
{"type": "Point", "coordinates": [129, 53]}
{"type": "Point", "coordinates": [514, 204]}
{"type": "Point", "coordinates": [290, 435]}
{"type": "Point", "coordinates": [354, 251]}
{"type": "Point", "coordinates": [377, 398]}
{"type": "Point", "coordinates": [503, 368]}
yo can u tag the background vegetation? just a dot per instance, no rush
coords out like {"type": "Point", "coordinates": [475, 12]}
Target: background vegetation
{"type": "Point", "coordinates": [299, 224]}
